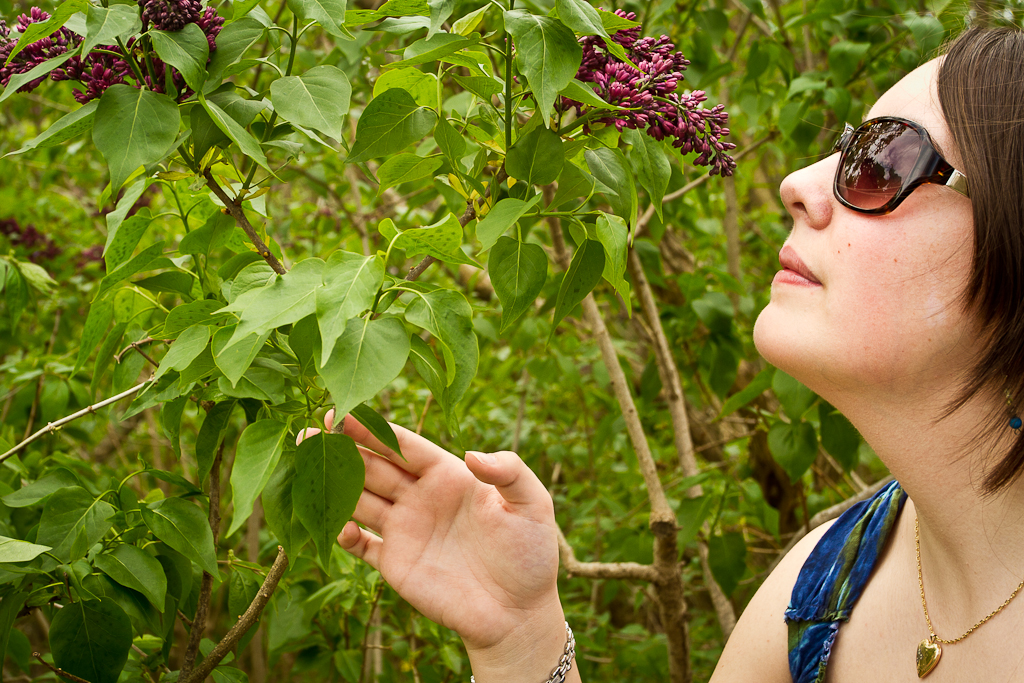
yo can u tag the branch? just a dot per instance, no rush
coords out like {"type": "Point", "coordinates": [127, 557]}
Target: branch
{"type": "Point", "coordinates": [195, 634]}
{"type": "Point", "coordinates": [54, 426]}
{"type": "Point", "coordinates": [244, 623]}
{"type": "Point", "coordinates": [828, 514]}
{"type": "Point", "coordinates": [234, 207]}
{"type": "Point", "coordinates": [60, 672]}
{"type": "Point", "coordinates": [135, 345]}
{"type": "Point", "coordinates": [602, 570]}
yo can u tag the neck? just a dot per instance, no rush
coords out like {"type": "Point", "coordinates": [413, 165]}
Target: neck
{"type": "Point", "coordinates": [970, 540]}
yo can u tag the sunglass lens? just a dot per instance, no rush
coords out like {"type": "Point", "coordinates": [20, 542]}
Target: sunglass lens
{"type": "Point", "coordinates": [879, 159]}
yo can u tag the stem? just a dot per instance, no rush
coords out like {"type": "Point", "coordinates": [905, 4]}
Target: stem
{"type": "Point", "coordinates": [234, 208]}
{"type": "Point", "coordinates": [244, 623]}
{"type": "Point", "coordinates": [60, 672]}
{"type": "Point", "coordinates": [54, 426]}
{"type": "Point", "coordinates": [508, 83]}
{"type": "Point", "coordinates": [131, 62]}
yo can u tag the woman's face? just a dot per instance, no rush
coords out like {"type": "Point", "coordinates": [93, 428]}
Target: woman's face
{"type": "Point", "coordinates": [877, 306]}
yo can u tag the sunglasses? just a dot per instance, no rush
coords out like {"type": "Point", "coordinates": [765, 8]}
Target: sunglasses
{"type": "Point", "coordinates": [885, 159]}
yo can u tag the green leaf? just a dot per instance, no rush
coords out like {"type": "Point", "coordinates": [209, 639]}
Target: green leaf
{"type": "Point", "coordinates": [242, 589]}
{"type": "Point", "coordinates": [844, 56]}
{"type": "Point", "coordinates": [547, 54]}
{"type": "Point", "coordinates": [469, 22]}
{"type": "Point", "coordinates": [613, 22]}
{"type": "Point", "coordinates": [327, 13]}
{"type": "Point", "coordinates": [278, 508]}
{"type": "Point", "coordinates": [716, 311]}
{"type": "Point", "coordinates": [38, 71]}
{"type": "Point", "coordinates": [518, 272]}
{"type": "Point", "coordinates": [537, 157]}
{"type": "Point", "coordinates": [581, 92]}
{"type": "Point", "coordinates": [13, 550]}
{"type": "Point", "coordinates": [256, 457]}
{"type": "Point", "coordinates": [328, 481]}
{"type": "Point", "coordinates": [609, 166]}
{"type": "Point", "coordinates": [186, 50]}
{"type": "Point", "coordinates": [184, 527]}
{"type": "Point", "coordinates": [232, 42]}
{"type": "Point", "coordinates": [73, 520]}
{"type": "Point", "coordinates": [96, 323]}
{"type": "Point", "coordinates": [448, 317]}
{"type": "Point", "coordinates": [287, 299]}
{"type": "Point", "coordinates": [91, 638]}
{"type": "Point", "coordinates": [838, 436]}
{"type": "Point", "coordinates": [572, 183]}
{"type": "Point", "coordinates": [430, 369]}
{"type": "Point", "coordinates": [614, 236]}
{"type": "Point", "coordinates": [368, 356]}
{"type": "Point", "coordinates": [36, 276]}
{"type": "Point", "coordinates": [172, 282]}
{"type": "Point", "coordinates": [390, 123]}
{"type": "Point", "coordinates": [67, 127]}
{"type": "Point", "coordinates": [422, 86]}
{"type": "Point", "coordinates": [432, 49]}
{"type": "Point", "coordinates": [40, 489]}
{"type": "Point", "coordinates": [234, 361]}
{"type": "Point", "coordinates": [377, 425]}
{"type": "Point", "coordinates": [794, 396]}
{"type": "Point", "coordinates": [450, 142]}
{"type": "Point", "coordinates": [104, 25]}
{"type": "Point", "coordinates": [755, 388]}
{"type": "Point", "coordinates": [440, 240]}
{"type": "Point", "coordinates": [794, 446]}
{"type": "Point", "coordinates": [133, 128]}
{"type": "Point", "coordinates": [128, 236]}
{"type": "Point", "coordinates": [350, 284]}
{"type": "Point", "coordinates": [184, 350]}
{"type": "Point", "coordinates": [406, 168]}
{"type": "Point", "coordinates": [318, 99]}
{"type": "Point", "coordinates": [727, 557]}
{"type": "Point", "coordinates": [650, 161]}
{"type": "Point", "coordinates": [484, 87]}
{"type": "Point", "coordinates": [210, 434]}
{"type": "Point", "coordinates": [584, 273]}
{"type": "Point", "coordinates": [440, 10]}
{"type": "Point", "coordinates": [136, 569]}
{"type": "Point", "coordinates": [581, 17]}
{"type": "Point", "coordinates": [170, 422]}
{"type": "Point", "coordinates": [10, 605]}
{"type": "Point", "coordinates": [239, 135]}
{"type": "Point", "coordinates": [42, 29]}
{"type": "Point", "coordinates": [500, 218]}
{"type": "Point", "coordinates": [205, 311]}
{"type": "Point", "coordinates": [147, 259]}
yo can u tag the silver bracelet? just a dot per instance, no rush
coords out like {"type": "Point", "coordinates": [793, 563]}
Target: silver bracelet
{"type": "Point", "coordinates": [564, 664]}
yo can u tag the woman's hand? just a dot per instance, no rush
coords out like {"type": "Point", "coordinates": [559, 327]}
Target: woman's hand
{"type": "Point", "coordinates": [472, 545]}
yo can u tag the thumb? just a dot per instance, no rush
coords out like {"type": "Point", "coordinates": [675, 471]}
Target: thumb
{"type": "Point", "coordinates": [507, 472]}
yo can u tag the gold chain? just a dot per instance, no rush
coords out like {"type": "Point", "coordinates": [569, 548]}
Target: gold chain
{"type": "Point", "coordinates": [920, 582]}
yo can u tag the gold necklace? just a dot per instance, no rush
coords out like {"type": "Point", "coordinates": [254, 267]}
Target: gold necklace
{"type": "Point", "coordinates": [929, 650]}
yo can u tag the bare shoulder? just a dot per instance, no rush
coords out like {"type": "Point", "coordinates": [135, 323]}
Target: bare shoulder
{"type": "Point", "coordinates": [757, 649]}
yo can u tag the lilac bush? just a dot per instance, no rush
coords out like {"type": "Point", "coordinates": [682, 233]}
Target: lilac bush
{"type": "Point", "coordinates": [107, 65]}
{"type": "Point", "coordinates": [651, 98]}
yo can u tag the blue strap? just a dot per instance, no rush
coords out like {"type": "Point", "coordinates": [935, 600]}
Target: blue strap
{"type": "Point", "coordinates": [833, 578]}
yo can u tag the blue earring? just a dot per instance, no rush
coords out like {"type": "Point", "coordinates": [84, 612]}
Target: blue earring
{"type": "Point", "coordinates": [1015, 421]}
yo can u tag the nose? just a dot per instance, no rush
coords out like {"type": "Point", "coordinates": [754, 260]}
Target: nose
{"type": "Point", "coordinates": [807, 193]}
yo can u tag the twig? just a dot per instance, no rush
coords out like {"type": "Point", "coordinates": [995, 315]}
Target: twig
{"type": "Point", "coordinates": [244, 623]}
{"type": "Point", "coordinates": [195, 634]}
{"type": "Point", "coordinates": [57, 670]}
{"type": "Point", "coordinates": [39, 384]}
{"type": "Point", "coordinates": [54, 426]}
{"type": "Point", "coordinates": [135, 345]}
{"type": "Point", "coordinates": [602, 570]}
{"type": "Point", "coordinates": [234, 207]}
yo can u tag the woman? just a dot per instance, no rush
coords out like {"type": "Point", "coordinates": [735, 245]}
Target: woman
{"type": "Point", "coordinates": [900, 303]}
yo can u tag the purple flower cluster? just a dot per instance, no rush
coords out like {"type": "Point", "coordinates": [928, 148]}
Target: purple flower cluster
{"type": "Point", "coordinates": [39, 246]}
{"type": "Point", "coordinates": [107, 65]}
{"type": "Point", "coordinates": [35, 53]}
{"type": "Point", "coordinates": [650, 94]}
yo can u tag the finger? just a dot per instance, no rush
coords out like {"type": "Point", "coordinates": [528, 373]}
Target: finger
{"type": "Point", "coordinates": [361, 543]}
{"type": "Point", "coordinates": [371, 510]}
{"type": "Point", "coordinates": [305, 434]}
{"type": "Point", "coordinates": [507, 472]}
{"type": "Point", "coordinates": [420, 453]}
{"type": "Point", "coordinates": [384, 477]}
{"type": "Point", "coordinates": [329, 419]}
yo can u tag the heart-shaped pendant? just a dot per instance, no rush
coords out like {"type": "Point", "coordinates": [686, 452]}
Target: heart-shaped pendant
{"type": "Point", "coordinates": [928, 654]}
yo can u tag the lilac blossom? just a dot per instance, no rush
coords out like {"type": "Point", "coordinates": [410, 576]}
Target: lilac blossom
{"type": "Point", "coordinates": [35, 53]}
{"type": "Point", "coordinates": [650, 94]}
{"type": "Point", "coordinates": [169, 15]}
{"type": "Point", "coordinates": [40, 247]}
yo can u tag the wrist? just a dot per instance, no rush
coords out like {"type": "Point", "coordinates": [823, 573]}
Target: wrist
{"type": "Point", "coordinates": [527, 654]}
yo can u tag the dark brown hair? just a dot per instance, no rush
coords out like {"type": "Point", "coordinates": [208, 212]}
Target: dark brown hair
{"type": "Point", "coordinates": [981, 92]}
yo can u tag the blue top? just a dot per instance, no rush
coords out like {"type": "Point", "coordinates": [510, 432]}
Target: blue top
{"type": "Point", "coordinates": [832, 579]}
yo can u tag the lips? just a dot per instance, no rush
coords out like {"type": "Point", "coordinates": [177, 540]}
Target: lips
{"type": "Point", "coordinates": [789, 260]}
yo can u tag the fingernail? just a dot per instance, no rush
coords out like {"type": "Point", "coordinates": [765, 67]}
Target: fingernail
{"type": "Point", "coordinates": [486, 458]}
